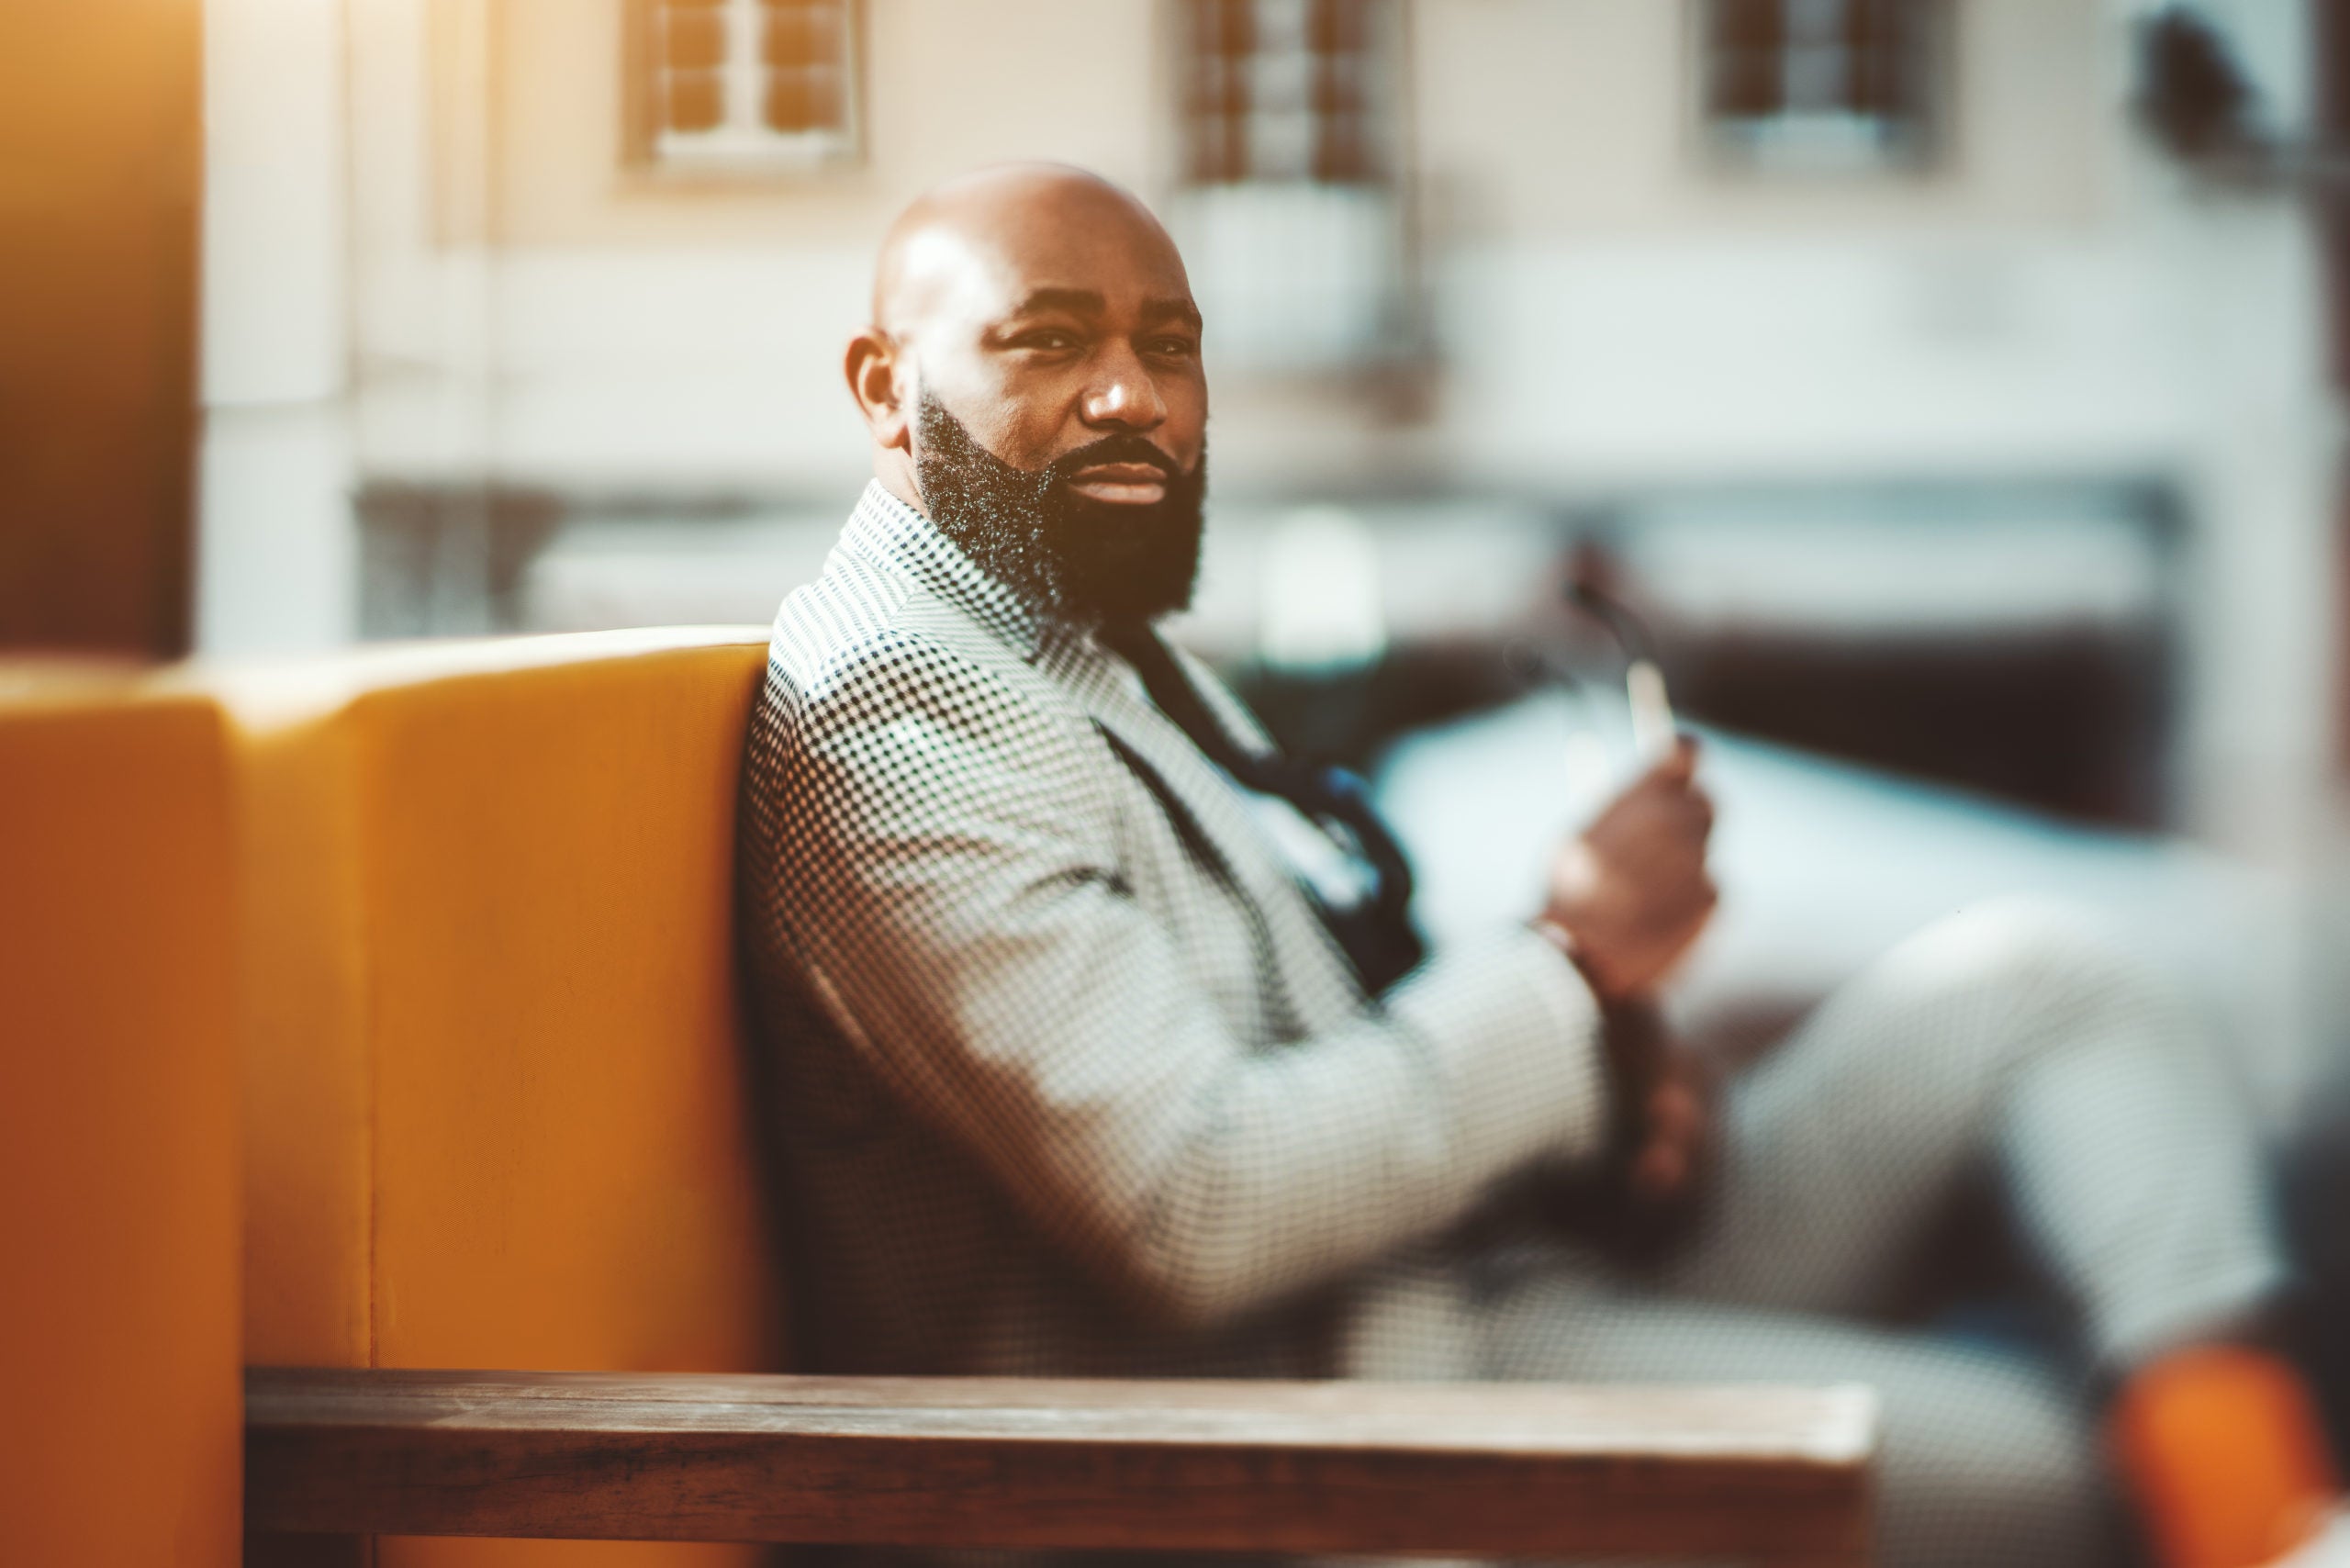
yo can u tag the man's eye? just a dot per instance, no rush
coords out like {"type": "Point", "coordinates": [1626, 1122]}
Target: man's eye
{"type": "Point", "coordinates": [1174, 348]}
{"type": "Point", "coordinates": [1050, 339]}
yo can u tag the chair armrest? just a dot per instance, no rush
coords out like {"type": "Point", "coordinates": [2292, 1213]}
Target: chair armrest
{"type": "Point", "coordinates": [1758, 1474]}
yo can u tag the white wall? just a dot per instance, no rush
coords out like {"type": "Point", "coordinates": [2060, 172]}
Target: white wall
{"type": "Point", "coordinates": [275, 561]}
{"type": "Point", "coordinates": [1612, 310]}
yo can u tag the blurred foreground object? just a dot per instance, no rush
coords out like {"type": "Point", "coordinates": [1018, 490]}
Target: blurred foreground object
{"type": "Point", "coordinates": [2193, 95]}
{"type": "Point", "coordinates": [492, 1056]}
{"type": "Point", "coordinates": [101, 138]}
{"type": "Point", "coordinates": [119, 1212]}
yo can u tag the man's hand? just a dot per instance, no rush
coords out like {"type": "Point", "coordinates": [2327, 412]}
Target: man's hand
{"type": "Point", "coordinates": [1631, 894]}
{"type": "Point", "coordinates": [1665, 1141]}
{"type": "Point", "coordinates": [1673, 1138]}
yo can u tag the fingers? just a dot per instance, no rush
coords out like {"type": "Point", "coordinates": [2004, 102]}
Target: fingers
{"type": "Point", "coordinates": [1679, 1128]}
{"type": "Point", "coordinates": [1679, 765]}
{"type": "Point", "coordinates": [1672, 784]}
{"type": "Point", "coordinates": [1632, 889]}
{"type": "Point", "coordinates": [1660, 1172]}
{"type": "Point", "coordinates": [1676, 1113]}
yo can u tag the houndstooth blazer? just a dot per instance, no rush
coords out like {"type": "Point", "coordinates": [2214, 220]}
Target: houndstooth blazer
{"type": "Point", "coordinates": [1066, 1075]}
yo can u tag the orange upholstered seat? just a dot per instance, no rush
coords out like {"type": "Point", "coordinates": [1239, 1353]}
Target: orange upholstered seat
{"type": "Point", "coordinates": [494, 1114]}
{"type": "Point", "coordinates": [120, 1420]}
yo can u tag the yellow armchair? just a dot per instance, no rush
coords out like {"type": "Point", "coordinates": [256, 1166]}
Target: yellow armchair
{"type": "Point", "coordinates": [120, 1431]}
{"type": "Point", "coordinates": [447, 932]}
{"type": "Point", "coordinates": [492, 1046]}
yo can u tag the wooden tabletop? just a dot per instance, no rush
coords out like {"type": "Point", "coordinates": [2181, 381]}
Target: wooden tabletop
{"type": "Point", "coordinates": [1757, 1472]}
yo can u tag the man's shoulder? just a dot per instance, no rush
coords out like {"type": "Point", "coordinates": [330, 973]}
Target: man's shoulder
{"type": "Point", "coordinates": [865, 642]}
{"type": "Point", "coordinates": [885, 702]}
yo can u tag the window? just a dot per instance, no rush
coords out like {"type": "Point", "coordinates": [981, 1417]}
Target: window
{"type": "Point", "coordinates": [1290, 221]}
{"type": "Point", "coordinates": [1290, 90]}
{"type": "Point", "coordinates": [1820, 83]}
{"type": "Point", "coordinates": [744, 83]}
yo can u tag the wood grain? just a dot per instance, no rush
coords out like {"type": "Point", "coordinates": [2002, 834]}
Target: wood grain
{"type": "Point", "coordinates": [1757, 1473]}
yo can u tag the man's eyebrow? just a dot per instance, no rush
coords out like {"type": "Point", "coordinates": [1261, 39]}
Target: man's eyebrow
{"type": "Point", "coordinates": [1091, 302]}
{"type": "Point", "coordinates": [1180, 308]}
{"type": "Point", "coordinates": [1078, 301]}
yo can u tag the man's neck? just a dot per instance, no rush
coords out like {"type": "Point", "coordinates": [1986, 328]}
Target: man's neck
{"type": "Point", "coordinates": [895, 474]}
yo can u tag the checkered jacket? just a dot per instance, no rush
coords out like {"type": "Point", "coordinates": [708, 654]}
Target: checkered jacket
{"type": "Point", "coordinates": [1067, 1076]}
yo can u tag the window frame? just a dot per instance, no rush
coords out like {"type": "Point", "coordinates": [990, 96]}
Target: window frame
{"type": "Point", "coordinates": [1386, 114]}
{"type": "Point", "coordinates": [1743, 145]}
{"type": "Point", "coordinates": [764, 154]}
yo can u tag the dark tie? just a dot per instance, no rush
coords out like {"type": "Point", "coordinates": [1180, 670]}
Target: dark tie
{"type": "Point", "coordinates": [1377, 934]}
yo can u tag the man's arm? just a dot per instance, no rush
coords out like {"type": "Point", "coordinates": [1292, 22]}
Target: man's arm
{"type": "Point", "coordinates": [1628, 897]}
{"type": "Point", "coordinates": [958, 900]}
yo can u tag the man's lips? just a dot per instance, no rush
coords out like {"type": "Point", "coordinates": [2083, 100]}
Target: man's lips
{"type": "Point", "coordinates": [1138, 484]}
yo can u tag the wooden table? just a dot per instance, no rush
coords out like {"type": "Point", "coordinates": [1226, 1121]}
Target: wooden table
{"type": "Point", "coordinates": [1752, 1474]}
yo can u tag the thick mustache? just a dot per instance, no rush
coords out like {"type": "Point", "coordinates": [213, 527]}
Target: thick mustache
{"type": "Point", "coordinates": [1111, 449]}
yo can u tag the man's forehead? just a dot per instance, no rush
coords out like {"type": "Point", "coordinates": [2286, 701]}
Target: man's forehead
{"type": "Point", "coordinates": [1072, 266]}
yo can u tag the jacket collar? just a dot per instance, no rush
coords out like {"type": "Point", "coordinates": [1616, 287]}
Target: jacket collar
{"type": "Point", "coordinates": [1308, 972]}
{"type": "Point", "coordinates": [885, 529]}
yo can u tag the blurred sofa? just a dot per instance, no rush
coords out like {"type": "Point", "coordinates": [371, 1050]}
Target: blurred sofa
{"type": "Point", "coordinates": [491, 1044]}
{"type": "Point", "coordinates": [426, 950]}
{"type": "Point", "coordinates": [120, 1443]}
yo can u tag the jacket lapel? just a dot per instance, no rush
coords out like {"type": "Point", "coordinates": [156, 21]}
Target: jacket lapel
{"type": "Point", "coordinates": [1305, 959]}
{"type": "Point", "coordinates": [1304, 966]}
{"type": "Point", "coordinates": [1112, 698]}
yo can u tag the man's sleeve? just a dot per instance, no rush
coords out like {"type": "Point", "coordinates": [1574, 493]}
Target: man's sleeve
{"type": "Point", "coordinates": [958, 905]}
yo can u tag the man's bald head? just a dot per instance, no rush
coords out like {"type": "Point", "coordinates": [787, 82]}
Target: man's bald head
{"type": "Point", "coordinates": [1005, 217]}
{"type": "Point", "coordinates": [1034, 331]}
{"type": "Point", "coordinates": [1043, 308]}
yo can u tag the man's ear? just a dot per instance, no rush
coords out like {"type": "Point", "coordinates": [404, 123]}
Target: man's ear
{"type": "Point", "coordinates": [872, 366]}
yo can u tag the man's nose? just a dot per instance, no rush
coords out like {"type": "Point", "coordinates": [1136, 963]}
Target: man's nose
{"type": "Point", "coordinates": [1124, 396]}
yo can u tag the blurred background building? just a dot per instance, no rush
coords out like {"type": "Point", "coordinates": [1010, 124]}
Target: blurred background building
{"type": "Point", "coordinates": [1829, 321]}
{"type": "Point", "coordinates": [1949, 385]}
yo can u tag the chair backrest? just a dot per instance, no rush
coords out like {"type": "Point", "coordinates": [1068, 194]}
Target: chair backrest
{"type": "Point", "coordinates": [493, 1076]}
{"type": "Point", "coordinates": [121, 1426]}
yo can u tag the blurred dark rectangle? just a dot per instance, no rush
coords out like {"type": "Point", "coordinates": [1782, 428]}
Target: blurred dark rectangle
{"type": "Point", "coordinates": [1752, 26]}
{"type": "Point", "coordinates": [1342, 151]}
{"type": "Point", "coordinates": [1877, 86]}
{"type": "Point", "coordinates": [1225, 27]}
{"type": "Point", "coordinates": [101, 141]}
{"type": "Point", "coordinates": [692, 39]}
{"type": "Point", "coordinates": [693, 100]}
{"type": "Point", "coordinates": [1875, 25]}
{"type": "Point", "coordinates": [801, 33]}
{"type": "Point", "coordinates": [1340, 87]}
{"type": "Point", "coordinates": [438, 560]}
{"type": "Point", "coordinates": [1339, 27]}
{"type": "Point", "coordinates": [1743, 85]}
{"type": "Point", "coordinates": [1219, 148]}
{"type": "Point", "coordinates": [2074, 721]}
{"type": "Point", "coordinates": [809, 99]}
{"type": "Point", "coordinates": [1217, 85]}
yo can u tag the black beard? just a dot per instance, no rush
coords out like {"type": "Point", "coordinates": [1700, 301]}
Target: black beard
{"type": "Point", "coordinates": [1063, 554]}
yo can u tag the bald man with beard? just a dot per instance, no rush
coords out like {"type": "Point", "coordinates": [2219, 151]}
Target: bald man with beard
{"type": "Point", "coordinates": [1101, 1044]}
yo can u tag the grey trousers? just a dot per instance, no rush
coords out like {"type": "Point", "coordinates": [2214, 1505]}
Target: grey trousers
{"type": "Point", "coordinates": [2007, 1042]}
